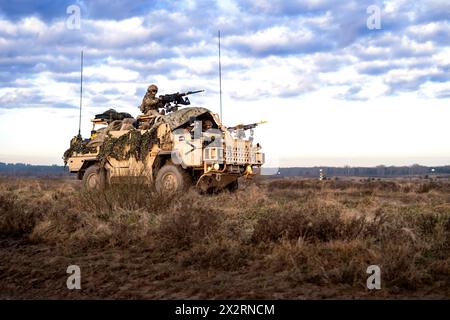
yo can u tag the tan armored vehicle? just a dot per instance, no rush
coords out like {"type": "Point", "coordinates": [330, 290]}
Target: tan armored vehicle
{"type": "Point", "coordinates": [186, 147]}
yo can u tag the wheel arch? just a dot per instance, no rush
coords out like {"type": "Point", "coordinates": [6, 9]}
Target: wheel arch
{"type": "Point", "coordinates": [84, 167]}
{"type": "Point", "coordinates": [161, 159]}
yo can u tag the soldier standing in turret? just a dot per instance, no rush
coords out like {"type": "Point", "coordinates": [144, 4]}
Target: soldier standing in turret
{"type": "Point", "coordinates": [151, 103]}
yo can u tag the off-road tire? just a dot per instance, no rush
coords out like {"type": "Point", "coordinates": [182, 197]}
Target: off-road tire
{"type": "Point", "coordinates": [94, 178]}
{"type": "Point", "coordinates": [171, 179]}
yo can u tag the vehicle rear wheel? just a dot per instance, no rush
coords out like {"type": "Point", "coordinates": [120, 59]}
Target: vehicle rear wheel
{"type": "Point", "coordinates": [94, 178]}
{"type": "Point", "coordinates": [171, 179]}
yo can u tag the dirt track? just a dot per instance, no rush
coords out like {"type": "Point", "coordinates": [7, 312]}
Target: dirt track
{"type": "Point", "coordinates": [39, 271]}
{"type": "Point", "coordinates": [36, 271]}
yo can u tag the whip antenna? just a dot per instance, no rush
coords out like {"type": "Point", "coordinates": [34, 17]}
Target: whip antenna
{"type": "Point", "coordinates": [81, 94]}
{"type": "Point", "coordinates": [220, 80]}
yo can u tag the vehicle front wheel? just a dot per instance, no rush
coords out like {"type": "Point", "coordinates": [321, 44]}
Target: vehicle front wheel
{"type": "Point", "coordinates": [171, 179]}
{"type": "Point", "coordinates": [94, 178]}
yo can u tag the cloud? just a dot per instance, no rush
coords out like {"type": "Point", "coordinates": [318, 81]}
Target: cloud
{"type": "Point", "coordinates": [292, 47]}
{"type": "Point", "coordinates": [44, 9]}
{"type": "Point", "coordinates": [307, 58]}
{"type": "Point", "coordinates": [49, 10]}
{"type": "Point", "coordinates": [278, 41]}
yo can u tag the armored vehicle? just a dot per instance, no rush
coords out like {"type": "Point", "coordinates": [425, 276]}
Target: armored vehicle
{"type": "Point", "coordinates": [171, 150]}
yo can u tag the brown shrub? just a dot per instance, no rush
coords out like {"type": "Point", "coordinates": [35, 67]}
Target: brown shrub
{"type": "Point", "coordinates": [228, 255]}
{"type": "Point", "coordinates": [293, 184]}
{"type": "Point", "coordinates": [87, 229]}
{"type": "Point", "coordinates": [390, 186]}
{"type": "Point", "coordinates": [127, 196]}
{"type": "Point", "coordinates": [183, 228]}
{"type": "Point", "coordinates": [314, 221]}
{"type": "Point", "coordinates": [335, 262]}
{"type": "Point", "coordinates": [18, 216]}
{"type": "Point", "coordinates": [401, 265]}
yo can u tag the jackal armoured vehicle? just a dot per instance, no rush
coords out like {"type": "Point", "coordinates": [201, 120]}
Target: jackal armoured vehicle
{"type": "Point", "coordinates": [172, 151]}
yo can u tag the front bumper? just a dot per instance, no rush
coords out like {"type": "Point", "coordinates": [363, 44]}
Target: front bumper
{"type": "Point", "coordinates": [236, 153]}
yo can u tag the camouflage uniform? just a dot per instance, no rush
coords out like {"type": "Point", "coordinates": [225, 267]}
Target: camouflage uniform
{"type": "Point", "coordinates": [151, 103]}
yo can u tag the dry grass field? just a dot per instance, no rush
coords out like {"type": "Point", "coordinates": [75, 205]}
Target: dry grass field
{"type": "Point", "coordinates": [273, 239]}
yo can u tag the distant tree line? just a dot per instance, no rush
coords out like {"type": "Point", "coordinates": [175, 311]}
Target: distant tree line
{"type": "Point", "coordinates": [28, 170]}
{"type": "Point", "coordinates": [379, 171]}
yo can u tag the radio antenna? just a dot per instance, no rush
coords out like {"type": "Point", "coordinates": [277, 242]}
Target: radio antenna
{"type": "Point", "coordinates": [220, 79]}
{"type": "Point", "coordinates": [81, 95]}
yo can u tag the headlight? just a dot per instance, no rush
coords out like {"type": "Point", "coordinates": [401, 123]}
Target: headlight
{"type": "Point", "coordinates": [216, 166]}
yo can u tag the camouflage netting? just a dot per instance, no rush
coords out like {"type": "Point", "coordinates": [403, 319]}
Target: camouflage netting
{"type": "Point", "coordinates": [78, 145]}
{"type": "Point", "coordinates": [133, 143]}
{"type": "Point", "coordinates": [103, 132]}
{"type": "Point", "coordinates": [182, 116]}
{"type": "Point", "coordinates": [139, 144]}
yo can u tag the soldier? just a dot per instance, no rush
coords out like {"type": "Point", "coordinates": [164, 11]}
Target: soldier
{"type": "Point", "coordinates": [207, 124]}
{"type": "Point", "coordinates": [151, 103]}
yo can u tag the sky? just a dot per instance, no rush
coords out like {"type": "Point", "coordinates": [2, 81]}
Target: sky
{"type": "Point", "coordinates": [358, 83]}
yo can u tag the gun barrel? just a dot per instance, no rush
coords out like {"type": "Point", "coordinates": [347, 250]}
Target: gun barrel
{"type": "Point", "coordinates": [193, 92]}
{"type": "Point", "coordinates": [246, 126]}
{"type": "Point", "coordinates": [174, 96]}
